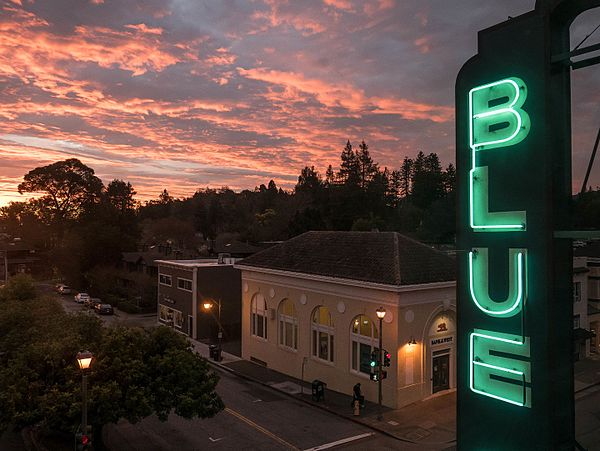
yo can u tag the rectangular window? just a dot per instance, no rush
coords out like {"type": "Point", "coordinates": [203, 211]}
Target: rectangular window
{"type": "Point", "coordinates": [323, 346]}
{"type": "Point", "coordinates": [184, 284]}
{"type": "Point", "coordinates": [164, 279]}
{"type": "Point", "coordinates": [365, 358]}
{"type": "Point", "coordinates": [577, 292]}
{"type": "Point", "coordinates": [576, 322]}
{"type": "Point", "coordinates": [354, 356]}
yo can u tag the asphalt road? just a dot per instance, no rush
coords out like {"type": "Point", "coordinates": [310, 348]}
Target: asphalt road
{"type": "Point", "coordinates": [256, 418]}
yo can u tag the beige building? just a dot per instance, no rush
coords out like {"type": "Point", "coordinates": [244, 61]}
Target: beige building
{"type": "Point", "coordinates": [309, 311]}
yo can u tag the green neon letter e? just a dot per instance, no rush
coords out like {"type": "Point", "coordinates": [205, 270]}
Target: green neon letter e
{"type": "Point", "coordinates": [494, 373]}
{"type": "Point", "coordinates": [496, 118]}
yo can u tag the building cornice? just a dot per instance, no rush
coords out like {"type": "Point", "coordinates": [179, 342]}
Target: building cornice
{"type": "Point", "coordinates": [349, 282]}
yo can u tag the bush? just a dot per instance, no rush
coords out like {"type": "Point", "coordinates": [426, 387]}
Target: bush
{"type": "Point", "coordinates": [19, 287]}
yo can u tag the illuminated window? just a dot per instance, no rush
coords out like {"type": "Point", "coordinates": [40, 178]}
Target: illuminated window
{"type": "Point", "coordinates": [363, 335]}
{"type": "Point", "coordinates": [258, 316]}
{"type": "Point", "coordinates": [171, 316]}
{"type": "Point", "coordinates": [288, 324]}
{"type": "Point", "coordinates": [322, 334]}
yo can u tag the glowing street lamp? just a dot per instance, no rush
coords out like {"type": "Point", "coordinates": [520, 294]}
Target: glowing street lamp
{"type": "Point", "coordinates": [380, 314]}
{"type": "Point", "coordinates": [84, 359]}
{"type": "Point", "coordinates": [208, 305]}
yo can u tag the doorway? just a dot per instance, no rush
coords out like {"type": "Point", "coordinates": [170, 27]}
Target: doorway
{"type": "Point", "coordinates": [441, 370]}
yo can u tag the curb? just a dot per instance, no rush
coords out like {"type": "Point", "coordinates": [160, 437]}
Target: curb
{"type": "Point", "coordinates": [320, 406]}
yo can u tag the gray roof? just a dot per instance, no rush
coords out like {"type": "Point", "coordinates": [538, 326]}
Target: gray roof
{"type": "Point", "coordinates": [379, 257]}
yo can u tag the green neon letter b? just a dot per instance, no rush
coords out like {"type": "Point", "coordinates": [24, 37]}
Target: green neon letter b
{"type": "Point", "coordinates": [496, 117]}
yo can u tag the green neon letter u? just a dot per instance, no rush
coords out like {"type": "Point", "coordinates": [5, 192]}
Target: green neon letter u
{"type": "Point", "coordinates": [479, 283]}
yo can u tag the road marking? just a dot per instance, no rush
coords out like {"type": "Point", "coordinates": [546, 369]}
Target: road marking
{"type": "Point", "coordinates": [257, 400]}
{"type": "Point", "coordinates": [214, 439]}
{"type": "Point", "coordinates": [260, 428]}
{"type": "Point", "coordinates": [340, 442]}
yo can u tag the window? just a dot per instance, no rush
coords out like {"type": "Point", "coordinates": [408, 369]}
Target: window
{"type": "Point", "coordinates": [577, 292]}
{"type": "Point", "coordinates": [288, 324]}
{"type": "Point", "coordinates": [364, 341]}
{"type": "Point", "coordinates": [171, 316]}
{"type": "Point", "coordinates": [576, 322]}
{"type": "Point", "coordinates": [258, 316]}
{"type": "Point", "coordinates": [322, 334]}
{"type": "Point", "coordinates": [184, 284]}
{"type": "Point", "coordinates": [164, 279]}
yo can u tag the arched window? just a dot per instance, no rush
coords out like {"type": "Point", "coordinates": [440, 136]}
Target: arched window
{"type": "Point", "coordinates": [288, 324]}
{"type": "Point", "coordinates": [322, 334]}
{"type": "Point", "coordinates": [363, 335]}
{"type": "Point", "coordinates": [258, 316]}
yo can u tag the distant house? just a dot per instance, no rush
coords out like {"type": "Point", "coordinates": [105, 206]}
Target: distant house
{"type": "Point", "coordinates": [586, 287]}
{"type": "Point", "coordinates": [17, 257]}
{"type": "Point", "coordinates": [185, 285]}
{"type": "Point", "coordinates": [309, 309]}
{"type": "Point", "coordinates": [144, 260]}
{"type": "Point", "coordinates": [231, 251]}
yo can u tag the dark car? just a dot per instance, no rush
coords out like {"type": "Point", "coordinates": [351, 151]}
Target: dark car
{"type": "Point", "coordinates": [104, 309]}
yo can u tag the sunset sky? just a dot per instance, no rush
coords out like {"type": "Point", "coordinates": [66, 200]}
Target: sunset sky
{"type": "Point", "coordinates": [185, 94]}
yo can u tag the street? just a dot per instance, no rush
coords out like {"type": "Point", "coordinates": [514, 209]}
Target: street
{"type": "Point", "coordinates": [256, 417]}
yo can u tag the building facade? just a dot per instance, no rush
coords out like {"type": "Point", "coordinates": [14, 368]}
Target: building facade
{"type": "Point", "coordinates": [309, 311]}
{"type": "Point", "coordinates": [185, 285]}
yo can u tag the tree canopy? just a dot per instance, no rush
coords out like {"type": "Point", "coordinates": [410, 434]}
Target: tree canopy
{"type": "Point", "coordinates": [135, 372]}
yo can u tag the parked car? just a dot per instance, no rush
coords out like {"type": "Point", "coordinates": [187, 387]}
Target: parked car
{"type": "Point", "coordinates": [104, 309]}
{"type": "Point", "coordinates": [81, 298]}
{"type": "Point", "coordinates": [93, 302]}
{"type": "Point", "coordinates": [64, 289]}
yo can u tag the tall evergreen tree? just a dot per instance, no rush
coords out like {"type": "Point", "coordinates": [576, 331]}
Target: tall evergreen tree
{"type": "Point", "coordinates": [405, 177]}
{"type": "Point", "coordinates": [349, 166]}
{"type": "Point", "coordinates": [367, 169]}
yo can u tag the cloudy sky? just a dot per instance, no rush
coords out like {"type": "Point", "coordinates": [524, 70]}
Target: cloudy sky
{"type": "Point", "coordinates": [184, 94]}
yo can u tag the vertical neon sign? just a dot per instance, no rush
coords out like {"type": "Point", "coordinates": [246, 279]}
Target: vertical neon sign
{"type": "Point", "coordinates": [499, 365]}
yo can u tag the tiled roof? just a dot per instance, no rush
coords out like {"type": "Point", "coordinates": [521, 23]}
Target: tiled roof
{"type": "Point", "coordinates": [379, 257]}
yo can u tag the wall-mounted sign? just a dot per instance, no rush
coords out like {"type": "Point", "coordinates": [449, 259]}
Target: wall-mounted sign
{"type": "Point", "coordinates": [440, 341]}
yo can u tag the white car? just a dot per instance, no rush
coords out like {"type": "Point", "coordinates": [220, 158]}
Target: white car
{"type": "Point", "coordinates": [80, 298]}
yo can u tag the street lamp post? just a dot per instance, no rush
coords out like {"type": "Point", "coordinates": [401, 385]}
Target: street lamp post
{"type": "Point", "coordinates": [380, 314]}
{"type": "Point", "coordinates": [84, 359]}
{"type": "Point", "coordinates": [208, 305]}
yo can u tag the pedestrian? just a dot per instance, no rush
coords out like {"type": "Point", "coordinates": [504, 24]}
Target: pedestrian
{"type": "Point", "coordinates": [357, 399]}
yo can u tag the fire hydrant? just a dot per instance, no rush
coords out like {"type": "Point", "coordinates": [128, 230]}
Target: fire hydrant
{"type": "Point", "coordinates": [356, 408]}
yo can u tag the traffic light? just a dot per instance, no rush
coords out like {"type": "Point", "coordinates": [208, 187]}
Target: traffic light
{"type": "Point", "coordinates": [83, 442]}
{"type": "Point", "coordinates": [383, 374]}
{"type": "Point", "coordinates": [375, 376]}
{"type": "Point", "coordinates": [386, 358]}
{"type": "Point", "coordinates": [374, 358]}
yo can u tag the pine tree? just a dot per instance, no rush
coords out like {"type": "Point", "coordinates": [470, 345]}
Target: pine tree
{"type": "Point", "coordinates": [405, 177]}
{"type": "Point", "coordinates": [366, 168]}
{"type": "Point", "coordinates": [349, 167]}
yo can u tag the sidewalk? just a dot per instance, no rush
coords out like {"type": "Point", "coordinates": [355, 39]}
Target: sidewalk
{"type": "Point", "coordinates": [431, 423]}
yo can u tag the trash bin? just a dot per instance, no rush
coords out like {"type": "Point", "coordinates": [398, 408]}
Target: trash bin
{"type": "Point", "coordinates": [318, 390]}
{"type": "Point", "coordinates": [213, 352]}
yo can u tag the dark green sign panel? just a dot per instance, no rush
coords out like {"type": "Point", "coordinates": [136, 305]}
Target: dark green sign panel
{"type": "Point", "coordinates": [513, 155]}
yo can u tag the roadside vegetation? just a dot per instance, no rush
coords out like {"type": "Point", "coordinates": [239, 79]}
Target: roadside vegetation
{"type": "Point", "coordinates": [135, 373]}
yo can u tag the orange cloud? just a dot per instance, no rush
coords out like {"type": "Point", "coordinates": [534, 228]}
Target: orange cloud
{"type": "Point", "coordinates": [347, 96]}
